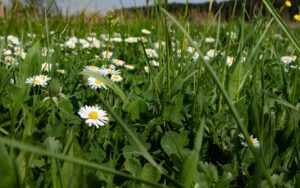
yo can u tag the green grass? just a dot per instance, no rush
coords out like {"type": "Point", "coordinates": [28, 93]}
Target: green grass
{"type": "Point", "coordinates": [188, 119]}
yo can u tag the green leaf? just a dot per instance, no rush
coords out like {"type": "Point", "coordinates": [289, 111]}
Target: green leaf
{"type": "Point", "coordinates": [172, 114]}
{"type": "Point", "coordinates": [150, 173]}
{"type": "Point", "coordinates": [133, 166]}
{"type": "Point", "coordinates": [136, 108]}
{"type": "Point", "coordinates": [173, 142]}
{"type": "Point", "coordinates": [52, 144]}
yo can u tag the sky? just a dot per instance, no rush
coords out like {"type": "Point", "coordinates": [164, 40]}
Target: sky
{"type": "Point", "coordinates": [73, 6]}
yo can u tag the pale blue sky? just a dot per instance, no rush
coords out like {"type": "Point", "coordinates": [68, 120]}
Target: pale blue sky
{"type": "Point", "coordinates": [104, 5]}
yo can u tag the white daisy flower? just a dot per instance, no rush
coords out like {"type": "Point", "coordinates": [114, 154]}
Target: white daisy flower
{"type": "Point", "coordinates": [209, 40]}
{"type": "Point", "coordinates": [116, 78]}
{"type": "Point", "coordinates": [131, 40]}
{"type": "Point", "coordinates": [288, 59]}
{"type": "Point", "coordinates": [95, 83]}
{"type": "Point", "coordinates": [151, 53]}
{"type": "Point", "coordinates": [46, 67]}
{"type": "Point", "coordinates": [116, 39]}
{"type": "Point", "coordinates": [13, 40]}
{"type": "Point", "coordinates": [107, 71]}
{"type": "Point", "coordinates": [128, 66]}
{"type": "Point", "coordinates": [154, 63]}
{"type": "Point", "coordinates": [94, 115]}
{"type": "Point", "coordinates": [146, 32]}
{"type": "Point", "coordinates": [107, 54]}
{"type": "Point", "coordinates": [146, 69]}
{"type": "Point", "coordinates": [40, 80]}
{"type": "Point", "coordinates": [118, 62]}
{"type": "Point", "coordinates": [229, 61]}
{"type": "Point", "coordinates": [92, 69]}
{"type": "Point", "coordinates": [253, 141]}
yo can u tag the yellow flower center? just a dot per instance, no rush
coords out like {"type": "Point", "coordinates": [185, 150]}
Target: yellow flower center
{"type": "Point", "coordinates": [115, 77]}
{"type": "Point", "coordinates": [94, 68]}
{"type": "Point", "coordinates": [37, 81]}
{"type": "Point", "coordinates": [93, 115]}
{"type": "Point", "coordinates": [288, 3]}
{"type": "Point", "coordinates": [98, 82]}
{"type": "Point", "coordinates": [251, 140]}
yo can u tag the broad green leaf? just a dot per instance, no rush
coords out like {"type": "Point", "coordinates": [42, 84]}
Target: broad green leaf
{"type": "Point", "coordinates": [173, 142]}
{"type": "Point", "coordinates": [133, 166]}
{"type": "Point", "coordinates": [135, 108]}
{"type": "Point", "coordinates": [150, 173]}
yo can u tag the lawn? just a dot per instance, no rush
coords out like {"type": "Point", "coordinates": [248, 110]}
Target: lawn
{"type": "Point", "coordinates": [153, 101]}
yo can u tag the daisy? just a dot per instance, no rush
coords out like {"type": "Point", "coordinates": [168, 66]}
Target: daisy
{"type": "Point", "coordinates": [146, 32]}
{"type": "Point", "coordinates": [154, 63]}
{"type": "Point", "coordinates": [95, 83]}
{"type": "Point", "coordinates": [209, 40]}
{"type": "Point", "coordinates": [46, 67]}
{"type": "Point", "coordinates": [94, 115]}
{"type": "Point", "coordinates": [40, 80]}
{"type": "Point", "coordinates": [128, 66]}
{"type": "Point", "coordinates": [229, 61]}
{"type": "Point", "coordinates": [116, 78]}
{"type": "Point", "coordinates": [131, 40]}
{"type": "Point", "coordinates": [107, 54]}
{"type": "Point", "coordinates": [151, 53]}
{"type": "Point", "coordinates": [253, 141]}
{"type": "Point", "coordinates": [118, 62]}
{"type": "Point", "coordinates": [92, 68]}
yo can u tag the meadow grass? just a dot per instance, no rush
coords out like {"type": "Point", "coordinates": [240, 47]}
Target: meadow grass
{"type": "Point", "coordinates": [149, 102]}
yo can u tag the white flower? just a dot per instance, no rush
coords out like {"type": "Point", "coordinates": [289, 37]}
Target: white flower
{"type": "Point", "coordinates": [40, 80]}
{"type": "Point", "coordinates": [7, 52]}
{"type": "Point", "coordinates": [146, 69]}
{"type": "Point", "coordinates": [107, 54]}
{"type": "Point", "coordinates": [95, 83]}
{"type": "Point", "coordinates": [46, 67]}
{"type": "Point", "coordinates": [116, 39]}
{"type": "Point", "coordinates": [288, 59]}
{"type": "Point", "coordinates": [209, 40]}
{"type": "Point", "coordinates": [151, 53]}
{"type": "Point", "coordinates": [128, 66]}
{"type": "Point", "coordinates": [229, 61]}
{"type": "Point", "coordinates": [131, 40]}
{"type": "Point", "coordinates": [154, 63]}
{"type": "Point", "coordinates": [253, 141]}
{"type": "Point", "coordinates": [92, 69]}
{"type": "Point", "coordinates": [61, 71]}
{"type": "Point", "coordinates": [110, 70]}
{"type": "Point", "coordinates": [13, 40]}
{"type": "Point", "coordinates": [84, 43]}
{"type": "Point", "coordinates": [71, 43]}
{"type": "Point", "coordinates": [118, 62]}
{"type": "Point", "coordinates": [94, 115]}
{"type": "Point", "coordinates": [116, 78]}
{"type": "Point", "coordinates": [146, 32]}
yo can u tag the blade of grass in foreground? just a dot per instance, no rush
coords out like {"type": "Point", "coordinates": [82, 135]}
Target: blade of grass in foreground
{"type": "Point", "coordinates": [282, 24]}
{"type": "Point", "coordinates": [43, 152]}
{"type": "Point", "coordinates": [258, 155]}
